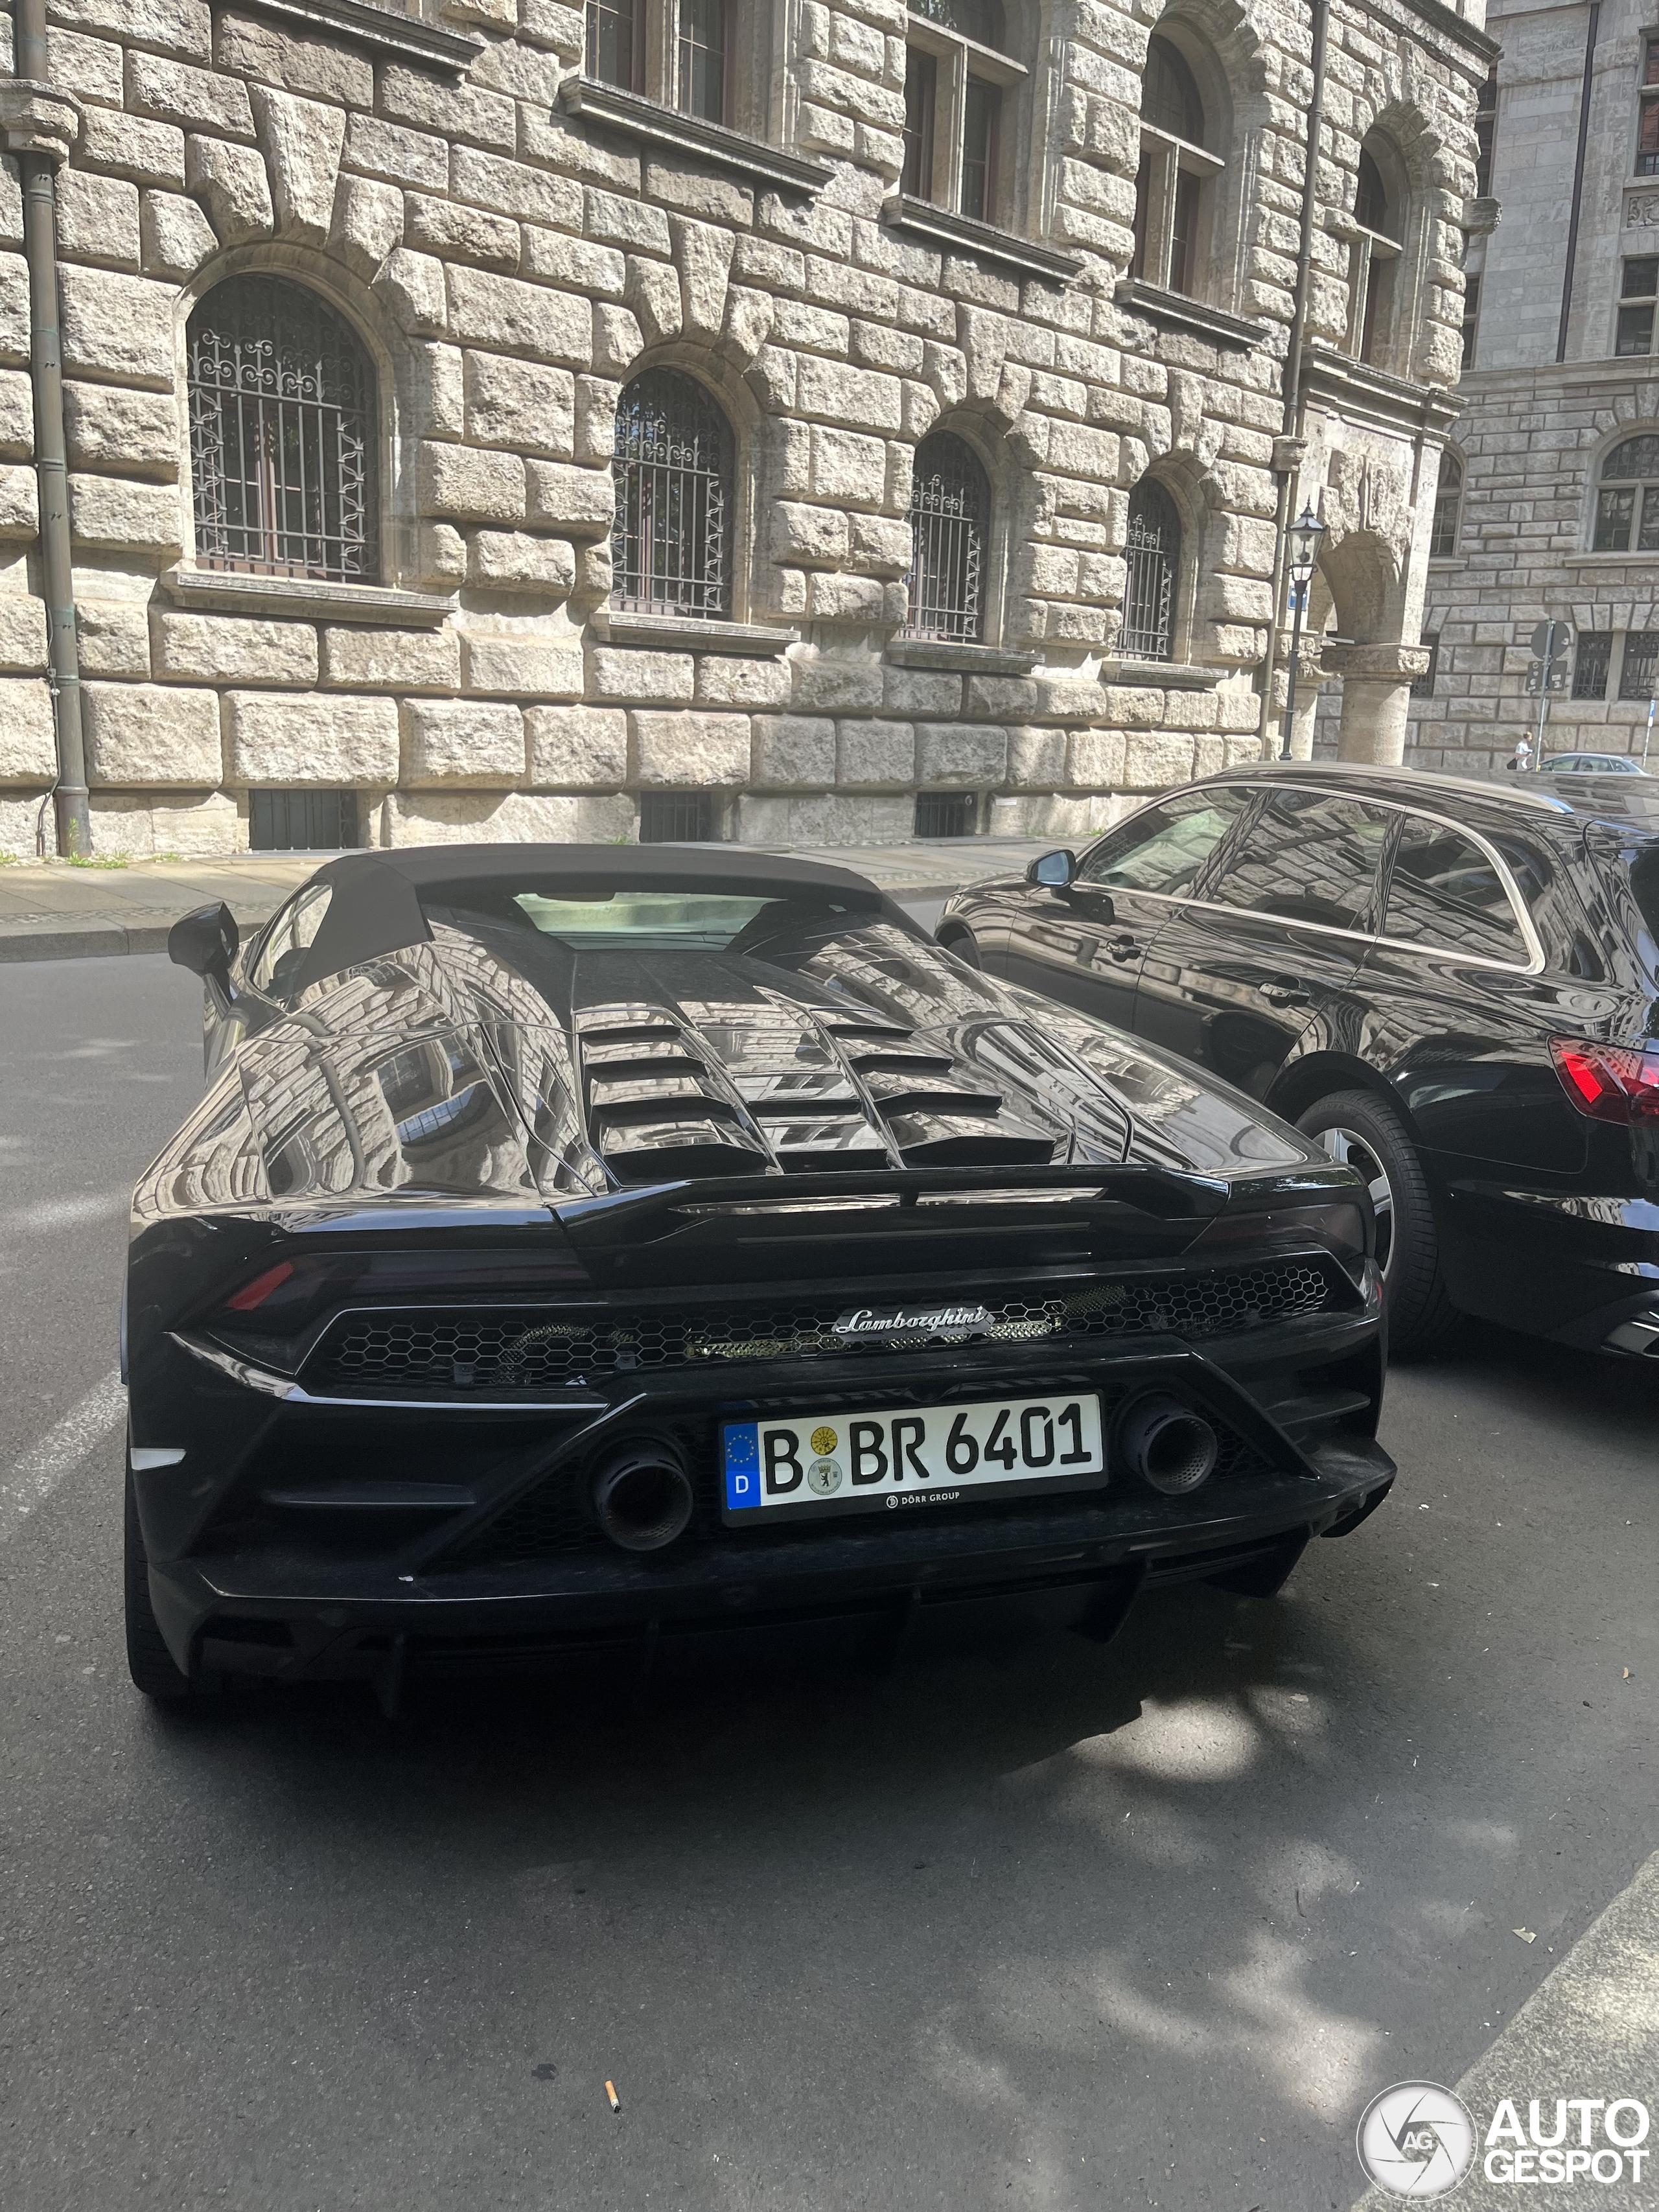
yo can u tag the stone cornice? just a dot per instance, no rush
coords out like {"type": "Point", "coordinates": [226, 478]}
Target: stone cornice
{"type": "Point", "coordinates": [921, 219]}
{"type": "Point", "coordinates": [386, 30]}
{"type": "Point", "coordinates": [1396, 401]}
{"type": "Point", "coordinates": [1196, 317]}
{"type": "Point", "coordinates": [637, 117]}
{"type": "Point", "coordinates": [1162, 674]}
{"type": "Point", "coordinates": [229, 590]}
{"type": "Point", "coordinates": [690, 634]}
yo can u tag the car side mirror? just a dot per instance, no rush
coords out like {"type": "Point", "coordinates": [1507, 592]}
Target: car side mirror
{"type": "Point", "coordinates": [1052, 871]}
{"type": "Point", "coordinates": [205, 942]}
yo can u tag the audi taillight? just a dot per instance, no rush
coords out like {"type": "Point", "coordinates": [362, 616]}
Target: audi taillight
{"type": "Point", "coordinates": [1609, 1082]}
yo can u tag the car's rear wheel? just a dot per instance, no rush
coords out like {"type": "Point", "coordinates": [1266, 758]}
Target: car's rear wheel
{"type": "Point", "coordinates": [148, 1661]}
{"type": "Point", "coordinates": [961, 942]}
{"type": "Point", "coordinates": [1366, 1133]}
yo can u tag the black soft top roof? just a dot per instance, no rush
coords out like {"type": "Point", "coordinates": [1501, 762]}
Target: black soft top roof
{"type": "Point", "coordinates": [379, 898]}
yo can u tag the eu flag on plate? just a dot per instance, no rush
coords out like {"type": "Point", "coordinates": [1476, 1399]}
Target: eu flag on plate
{"type": "Point", "coordinates": [742, 1441]}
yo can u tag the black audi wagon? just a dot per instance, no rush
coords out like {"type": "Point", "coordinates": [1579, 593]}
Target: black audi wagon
{"type": "Point", "coordinates": [1453, 985]}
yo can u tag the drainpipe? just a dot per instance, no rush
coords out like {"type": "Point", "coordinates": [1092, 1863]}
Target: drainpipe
{"type": "Point", "coordinates": [1584, 97]}
{"type": "Point", "coordinates": [1288, 448]}
{"type": "Point", "coordinates": [40, 127]}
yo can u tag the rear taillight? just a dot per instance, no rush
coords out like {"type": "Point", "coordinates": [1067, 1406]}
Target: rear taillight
{"type": "Point", "coordinates": [1609, 1082]}
{"type": "Point", "coordinates": [284, 1297]}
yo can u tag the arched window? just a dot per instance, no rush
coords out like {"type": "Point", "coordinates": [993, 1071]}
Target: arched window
{"type": "Point", "coordinates": [673, 467]}
{"type": "Point", "coordinates": [958, 82]}
{"type": "Point", "coordinates": [281, 434]}
{"type": "Point", "coordinates": [1178, 162]}
{"type": "Point", "coordinates": [1627, 504]}
{"type": "Point", "coordinates": [949, 521]}
{"type": "Point", "coordinates": [1379, 213]}
{"type": "Point", "coordinates": [1448, 508]}
{"type": "Point", "coordinates": [1152, 552]}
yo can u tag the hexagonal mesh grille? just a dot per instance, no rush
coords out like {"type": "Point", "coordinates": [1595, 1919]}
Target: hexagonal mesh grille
{"type": "Point", "coordinates": [533, 1352]}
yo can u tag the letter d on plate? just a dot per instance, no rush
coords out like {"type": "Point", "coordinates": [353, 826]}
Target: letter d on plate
{"type": "Point", "coordinates": [742, 1467]}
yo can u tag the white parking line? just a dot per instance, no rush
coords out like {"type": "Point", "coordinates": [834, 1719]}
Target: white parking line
{"type": "Point", "coordinates": [60, 1451]}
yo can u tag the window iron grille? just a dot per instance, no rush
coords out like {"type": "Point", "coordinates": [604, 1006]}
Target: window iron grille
{"type": "Point", "coordinates": [282, 435]}
{"type": "Point", "coordinates": [1639, 677]}
{"type": "Point", "coordinates": [301, 821]}
{"type": "Point", "coordinates": [673, 472]}
{"type": "Point", "coordinates": [946, 813]}
{"type": "Point", "coordinates": [950, 512]}
{"type": "Point", "coordinates": [678, 817]}
{"type": "Point", "coordinates": [1591, 663]}
{"type": "Point", "coordinates": [1152, 552]}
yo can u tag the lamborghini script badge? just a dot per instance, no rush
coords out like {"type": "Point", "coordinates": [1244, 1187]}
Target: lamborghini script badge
{"type": "Point", "coordinates": [901, 1324]}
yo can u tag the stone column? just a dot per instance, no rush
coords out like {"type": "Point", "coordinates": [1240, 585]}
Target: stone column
{"type": "Point", "coordinates": [1376, 683]}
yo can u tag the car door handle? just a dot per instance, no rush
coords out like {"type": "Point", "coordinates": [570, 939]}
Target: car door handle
{"type": "Point", "coordinates": [1124, 947]}
{"type": "Point", "coordinates": [1282, 991]}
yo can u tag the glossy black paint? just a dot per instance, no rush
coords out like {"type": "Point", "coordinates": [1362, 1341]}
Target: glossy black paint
{"type": "Point", "coordinates": [663, 1171]}
{"type": "Point", "coordinates": [1547, 1221]}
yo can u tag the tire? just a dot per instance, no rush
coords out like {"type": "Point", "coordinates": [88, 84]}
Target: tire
{"type": "Point", "coordinates": [148, 1661]}
{"type": "Point", "coordinates": [1364, 1130]}
{"type": "Point", "coordinates": [961, 942]}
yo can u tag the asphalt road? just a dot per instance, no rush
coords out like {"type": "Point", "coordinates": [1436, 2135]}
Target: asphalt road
{"type": "Point", "coordinates": [1027, 1925]}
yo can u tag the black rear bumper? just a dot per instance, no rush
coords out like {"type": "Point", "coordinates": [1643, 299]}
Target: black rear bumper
{"type": "Point", "coordinates": [294, 1621]}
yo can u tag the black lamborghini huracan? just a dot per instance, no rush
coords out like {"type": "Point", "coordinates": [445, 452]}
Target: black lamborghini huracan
{"type": "Point", "coordinates": [581, 1248]}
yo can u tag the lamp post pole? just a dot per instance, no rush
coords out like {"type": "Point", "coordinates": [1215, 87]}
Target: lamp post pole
{"type": "Point", "coordinates": [1306, 534]}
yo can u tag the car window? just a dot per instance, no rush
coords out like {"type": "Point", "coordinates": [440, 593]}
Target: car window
{"type": "Point", "coordinates": [1163, 847]}
{"type": "Point", "coordinates": [1446, 893]}
{"type": "Point", "coordinates": [287, 942]}
{"type": "Point", "coordinates": [1309, 857]}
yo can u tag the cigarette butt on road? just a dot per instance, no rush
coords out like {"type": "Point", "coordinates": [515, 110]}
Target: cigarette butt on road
{"type": "Point", "coordinates": [611, 2092]}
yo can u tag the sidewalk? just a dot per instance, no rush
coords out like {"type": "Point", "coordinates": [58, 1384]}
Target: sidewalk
{"type": "Point", "coordinates": [52, 910]}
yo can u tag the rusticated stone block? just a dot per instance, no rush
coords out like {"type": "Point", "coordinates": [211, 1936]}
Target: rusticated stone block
{"type": "Point", "coordinates": [285, 55]}
{"type": "Point", "coordinates": [462, 741]}
{"type": "Point", "coordinates": [472, 484]}
{"type": "Point", "coordinates": [176, 238]}
{"type": "Point", "coordinates": [960, 754]}
{"type": "Point", "coordinates": [1154, 759]}
{"type": "Point", "coordinates": [97, 219]}
{"type": "Point", "coordinates": [116, 327]}
{"type": "Point", "coordinates": [509, 316]}
{"type": "Point", "coordinates": [227, 649]}
{"type": "Point", "coordinates": [690, 751]}
{"type": "Point", "coordinates": [577, 748]}
{"type": "Point", "coordinates": [519, 662]}
{"type": "Point", "coordinates": [311, 737]}
{"type": "Point", "coordinates": [22, 636]}
{"type": "Point", "coordinates": [125, 515]}
{"type": "Point", "coordinates": [114, 636]}
{"type": "Point", "coordinates": [16, 414]}
{"type": "Point", "coordinates": [724, 681]}
{"type": "Point", "coordinates": [112, 428]}
{"type": "Point", "coordinates": [1036, 758]}
{"type": "Point", "coordinates": [151, 734]}
{"type": "Point", "coordinates": [393, 659]}
{"type": "Point", "coordinates": [521, 404]}
{"type": "Point", "coordinates": [792, 752]}
{"type": "Point", "coordinates": [194, 99]}
{"type": "Point", "coordinates": [875, 754]}
{"type": "Point", "coordinates": [836, 686]}
{"type": "Point", "coordinates": [563, 497]}
{"type": "Point", "coordinates": [518, 561]}
{"type": "Point", "coordinates": [29, 748]}
{"type": "Point", "coordinates": [616, 673]}
{"type": "Point", "coordinates": [127, 146]}
{"type": "Point", "coordinates": [1094, 759]}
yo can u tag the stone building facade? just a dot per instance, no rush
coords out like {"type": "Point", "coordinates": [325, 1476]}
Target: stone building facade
{"type": "Point", "coordinates": [1543, 511]}
{"type": "Point", "coordinates": [762, 420]}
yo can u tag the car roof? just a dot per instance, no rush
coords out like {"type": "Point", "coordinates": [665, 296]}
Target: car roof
{"type": "Point", "coordinates": [1629, 803]}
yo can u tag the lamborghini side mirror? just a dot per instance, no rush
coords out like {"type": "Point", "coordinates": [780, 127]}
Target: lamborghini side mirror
{"type": "Point", "coordinates": [1054, 871]}
{"type": "Point", "coordinates": [205, 941]}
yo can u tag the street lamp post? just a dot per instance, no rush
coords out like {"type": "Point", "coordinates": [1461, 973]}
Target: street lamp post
{"type": "Point", "coordinates": [1307, 534]}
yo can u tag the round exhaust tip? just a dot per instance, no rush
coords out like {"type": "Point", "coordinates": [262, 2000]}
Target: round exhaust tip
{"type": "Point", "coordinates": [1168, 1445]}
{"type": "Point", "coordinates": [642, 1496]}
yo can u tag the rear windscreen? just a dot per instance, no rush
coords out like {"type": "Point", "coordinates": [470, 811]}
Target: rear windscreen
{"type": "Point", "coordinates": [642, 920]}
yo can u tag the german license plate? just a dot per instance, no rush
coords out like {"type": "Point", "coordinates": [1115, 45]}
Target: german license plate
{"type": "Point", "coordinates": [904, 1461]}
